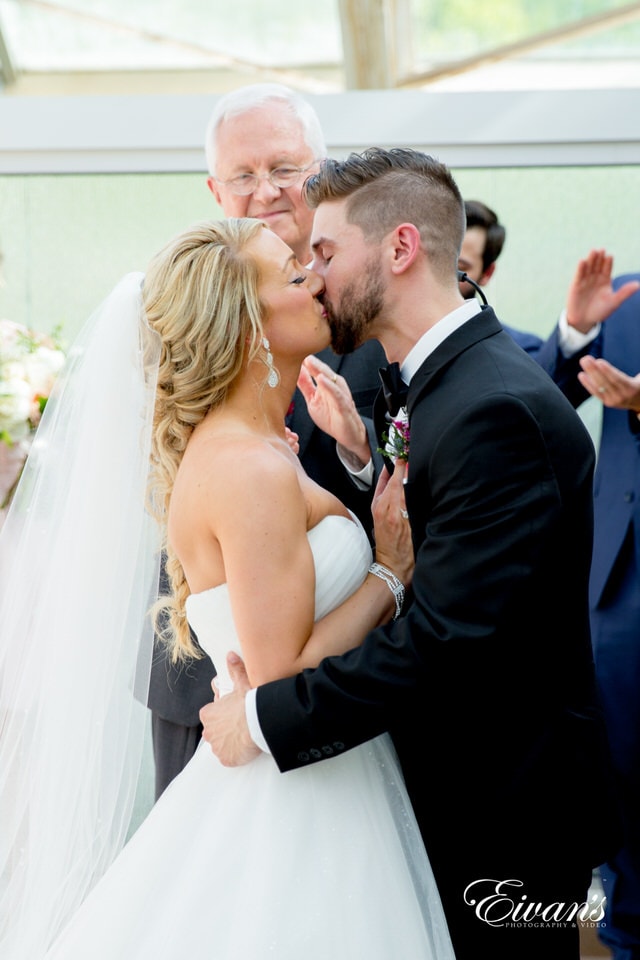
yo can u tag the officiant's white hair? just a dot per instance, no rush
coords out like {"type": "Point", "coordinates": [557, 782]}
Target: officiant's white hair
{"type": "Point", "coordinates": [255, 95]}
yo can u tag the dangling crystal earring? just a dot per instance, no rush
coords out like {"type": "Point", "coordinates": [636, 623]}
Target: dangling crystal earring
{"type": "Point", "coordinates": [273, 377]}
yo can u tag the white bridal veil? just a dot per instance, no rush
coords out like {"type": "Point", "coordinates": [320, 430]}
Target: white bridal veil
{"type": "Point", "coordinates": [78, 571]}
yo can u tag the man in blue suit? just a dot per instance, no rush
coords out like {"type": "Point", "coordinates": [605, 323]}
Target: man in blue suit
{"type": "Point", "coordinates": [601, 327]}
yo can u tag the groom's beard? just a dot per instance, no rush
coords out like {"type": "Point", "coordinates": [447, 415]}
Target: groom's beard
{"type": "Point", "coordinates": [360, 304]}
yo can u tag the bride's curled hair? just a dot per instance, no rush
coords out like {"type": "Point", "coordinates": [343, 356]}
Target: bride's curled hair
{"type": "Point", "coordinates": [201, 296]}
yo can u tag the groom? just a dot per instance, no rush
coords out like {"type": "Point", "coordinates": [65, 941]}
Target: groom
{"type": "Point", "coordinates": [486, 683]}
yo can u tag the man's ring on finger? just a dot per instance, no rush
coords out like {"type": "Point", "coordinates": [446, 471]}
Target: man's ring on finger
{"type": "Point", "coordinates": [404, 514]}
{"type": "Point", "coordinates": [334, 378]}
{"type": "Point", "coordinates": [602, 389]}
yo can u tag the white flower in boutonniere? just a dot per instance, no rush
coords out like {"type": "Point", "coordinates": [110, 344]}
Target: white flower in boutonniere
{"type": "Point", "coordinates": [396, 439]}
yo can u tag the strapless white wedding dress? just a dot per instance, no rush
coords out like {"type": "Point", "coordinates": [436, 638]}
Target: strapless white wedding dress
{"type": "Point", "coordinates": [321, 863]}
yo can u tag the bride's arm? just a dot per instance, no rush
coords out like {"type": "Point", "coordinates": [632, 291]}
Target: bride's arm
{"type": "Point", "coordinates": [261, 525]}
{"type": "Point", "coordinates": [373, 603]}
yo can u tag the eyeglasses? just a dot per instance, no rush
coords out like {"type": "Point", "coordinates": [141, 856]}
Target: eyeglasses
{"type": "Point", "coordinates": [281, 177]}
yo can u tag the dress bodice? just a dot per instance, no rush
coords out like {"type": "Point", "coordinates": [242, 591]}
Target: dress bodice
{"type": "Point", "coordinates": [341, 554]}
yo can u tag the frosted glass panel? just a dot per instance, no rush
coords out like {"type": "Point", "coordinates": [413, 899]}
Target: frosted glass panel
{"type": "Point", "coordinates": [67, 239]}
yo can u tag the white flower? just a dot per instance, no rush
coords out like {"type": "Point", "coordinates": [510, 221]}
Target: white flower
{"type": "Point", "coordinates": [29, 363]}
{"type": "Point", "coordinates": [41, 368]}
{"type": "Point", "coordinates": [396, 439]}
{"type": "Point", "coordinates": [16, 400]}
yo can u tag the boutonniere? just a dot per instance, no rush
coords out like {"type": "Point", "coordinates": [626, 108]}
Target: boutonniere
{"type": "Point", "coordinates": [396, 438]}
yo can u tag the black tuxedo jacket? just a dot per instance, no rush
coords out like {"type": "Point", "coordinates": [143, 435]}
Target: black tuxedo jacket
{"type": "Point", "coordinates": [177, 693]}
{"type": "Point", "coordinates": [486, 683]}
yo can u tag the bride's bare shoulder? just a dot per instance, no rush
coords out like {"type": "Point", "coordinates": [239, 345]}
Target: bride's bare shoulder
{"type": "Point", "coordinates": [223, 465]}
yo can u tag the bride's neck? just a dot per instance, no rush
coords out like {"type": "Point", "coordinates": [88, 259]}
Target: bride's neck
{"type": "Point", "coordinates": [260, 406]}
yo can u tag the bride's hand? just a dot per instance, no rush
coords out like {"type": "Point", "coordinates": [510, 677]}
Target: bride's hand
{"type": "Point", "coordinates": [394, 547]}
{"type": "Point", "coordinates": [332, 409]}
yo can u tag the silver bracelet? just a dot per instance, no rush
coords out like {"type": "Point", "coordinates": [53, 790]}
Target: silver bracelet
{"type": "Point", "coordinates": [396, 586]}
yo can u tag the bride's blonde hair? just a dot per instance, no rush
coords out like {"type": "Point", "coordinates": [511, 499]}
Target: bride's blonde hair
{"type": "Point", "coordinates": [200, 295]}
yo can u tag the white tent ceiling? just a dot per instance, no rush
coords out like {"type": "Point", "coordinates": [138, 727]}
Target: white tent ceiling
{"type": "Point", "coordinates": [159, 46]}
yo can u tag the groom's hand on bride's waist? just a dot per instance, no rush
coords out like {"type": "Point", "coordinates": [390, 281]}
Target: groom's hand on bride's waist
{"type": "Point", "coordinates": [225, 722]}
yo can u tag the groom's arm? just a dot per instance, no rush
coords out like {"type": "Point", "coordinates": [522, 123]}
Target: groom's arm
{"type": "Point", "coordinates": [346, 701]}
{"type": "Point", "coordinates": [235, 741]}
{"type": "Point", "coordinates": [450, 646]}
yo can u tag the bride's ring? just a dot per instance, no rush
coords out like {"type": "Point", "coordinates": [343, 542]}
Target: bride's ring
{"type": "Point", "coordinates": [404, 514]}
{"type": "Point", "coordinates": [334, 378]}
{"type": "Point", "coordinates": [602, 389]}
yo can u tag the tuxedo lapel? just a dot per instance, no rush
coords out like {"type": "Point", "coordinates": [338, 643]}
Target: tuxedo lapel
{"type": "Point", "coordinates": [482, 325]}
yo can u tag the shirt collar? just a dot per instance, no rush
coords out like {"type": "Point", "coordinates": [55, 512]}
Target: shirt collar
{"type": "Point", "coordinates": [434, 337]}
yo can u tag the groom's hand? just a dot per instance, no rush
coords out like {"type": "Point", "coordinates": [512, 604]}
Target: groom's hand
{"type": "Point", "coordinates": [225, 722]}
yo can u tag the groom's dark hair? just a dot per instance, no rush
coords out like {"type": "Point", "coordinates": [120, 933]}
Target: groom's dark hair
{"type": "Point", "coordinates": [384, 188]}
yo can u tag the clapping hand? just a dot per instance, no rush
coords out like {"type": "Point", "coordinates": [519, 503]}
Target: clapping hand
{"type": "Point", "coordinates": [610, 385]}
{"type": "Point", "coordinates": [591, 297]}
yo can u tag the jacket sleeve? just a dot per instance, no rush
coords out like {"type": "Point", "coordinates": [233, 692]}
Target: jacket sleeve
{"type": "Point", "coordinates": [564, 370]}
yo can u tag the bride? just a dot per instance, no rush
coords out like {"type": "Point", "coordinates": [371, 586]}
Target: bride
{"type": "Point", "coordinates": [172, 407]}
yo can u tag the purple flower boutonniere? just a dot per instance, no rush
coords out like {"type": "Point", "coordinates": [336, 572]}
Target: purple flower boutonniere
{"type": "Point", "coordinates": [396, 439]}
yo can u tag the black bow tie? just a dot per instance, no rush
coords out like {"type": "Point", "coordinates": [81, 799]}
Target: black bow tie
{"type": "Point", "coordinates": [394, 388]}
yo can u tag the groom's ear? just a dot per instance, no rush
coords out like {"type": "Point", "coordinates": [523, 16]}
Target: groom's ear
{"type": "Point", "coordinates": [405, 246]}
